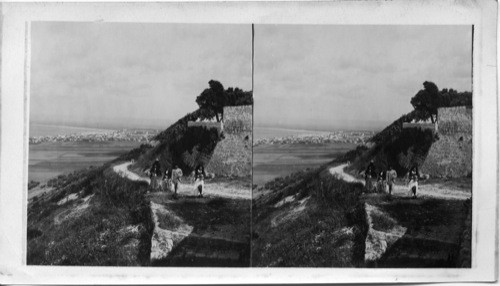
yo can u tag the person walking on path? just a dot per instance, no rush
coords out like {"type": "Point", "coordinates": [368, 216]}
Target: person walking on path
{"type": "Point", "coordinates": [167, 180]}
{"type": "Point", "coordinates": [176, 178]}
{"type": "Point", "coordinates": [369, 175]}
{"type": "Point", "coordinates": [413, 176]}
{"type": "Point", "coordinates": [391, 179]}
{"type": "Point", "coordinates": [199, 177]}
{"type": "Point", "coordinates": [381, 182]}
{"type": "Point", "coordinates": [155, 174]}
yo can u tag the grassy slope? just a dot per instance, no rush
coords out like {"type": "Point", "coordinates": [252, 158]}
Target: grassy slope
{"type": "Point", "coordinates": [328, 232]}
{"type": "Point", "coordinates": [69, 234]}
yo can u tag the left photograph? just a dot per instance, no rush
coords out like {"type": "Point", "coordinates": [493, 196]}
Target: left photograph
{"type": "Point", "coordinates": [140, 144]}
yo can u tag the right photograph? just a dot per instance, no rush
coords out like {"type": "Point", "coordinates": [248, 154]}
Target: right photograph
{"type": "Point", "coordinates": [362, 146]}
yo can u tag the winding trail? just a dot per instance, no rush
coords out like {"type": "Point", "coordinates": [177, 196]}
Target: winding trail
{"type": "Point", "coordinates": [123, 171]}
{"type": "Point", "coordinates": [223, 189]}
{"type": "Point", "coordinates": [339, 172]}
{"type": "Point", "coordinates": [438, 191]}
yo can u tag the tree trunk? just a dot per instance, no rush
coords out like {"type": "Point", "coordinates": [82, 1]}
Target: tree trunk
{"type": "Point", "coordinates": [217, 116]}
{"type": "Point", "coordinates": [432, 119]}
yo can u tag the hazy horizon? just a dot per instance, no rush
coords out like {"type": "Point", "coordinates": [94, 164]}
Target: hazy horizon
{"type": "Point", "coordinates": [131, 74]}
{"type": "Point", "coordinates": [352, 76]}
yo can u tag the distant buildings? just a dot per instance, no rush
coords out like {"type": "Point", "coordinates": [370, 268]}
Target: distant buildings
{"type": "Point", "coordinates": [355, 137]}
{"type": "Point", "coordinates": [131, 135]}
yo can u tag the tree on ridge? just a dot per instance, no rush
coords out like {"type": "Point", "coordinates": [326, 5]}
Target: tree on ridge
{"type": "Point", "coordinates": [213, 99]}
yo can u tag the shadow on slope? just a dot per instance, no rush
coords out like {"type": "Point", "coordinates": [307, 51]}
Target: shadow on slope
{"type": "Point", "coordinates": [394, 146]}
{"type": "Point", "coordinates": [220, 236]}
{"type": "Point", "coordinates": [178, 145]}
{"type": "Point", "coordinates": [432, 239]}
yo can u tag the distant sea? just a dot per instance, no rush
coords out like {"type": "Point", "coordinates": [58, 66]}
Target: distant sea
{"type": "Point", "coordinates": [50, 159]}
{"type": "Point", "coordinates": [270, 132]}
{"type": "Point", "coordinates": [52, 130]}
{"type": "Point", "coordinates": [275, 160]}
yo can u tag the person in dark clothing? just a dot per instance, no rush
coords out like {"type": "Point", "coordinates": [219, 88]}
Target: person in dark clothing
{"type": "Point", "coordinates": [369, 175]}
{"type": "Point", "coordinates": [199, 177]}
{"type": "Point", "coordinates": [167, 180]}
{"type": "Point", "coordinates": [381, 182]}
{"type": "Point", "coordinates": [413, 176]}
{"type": "Point", "coordinates": [155, 174]}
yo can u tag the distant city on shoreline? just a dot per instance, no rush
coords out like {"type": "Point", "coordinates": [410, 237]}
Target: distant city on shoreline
{"type": "Point", "coordinates": [37, 129]}
{"type": "Point", "coordinates": [40, 133]}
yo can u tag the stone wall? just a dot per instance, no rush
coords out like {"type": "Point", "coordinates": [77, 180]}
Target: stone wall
{"type": "Point", "coordinates": [451, 154]}
{"type": "Point", "coordinates": [233, 155]}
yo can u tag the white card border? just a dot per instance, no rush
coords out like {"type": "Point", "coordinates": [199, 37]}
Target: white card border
{"type": "Point", "coordinates": [14, 105]}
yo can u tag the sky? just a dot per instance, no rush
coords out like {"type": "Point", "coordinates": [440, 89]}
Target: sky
{"type": "Point", "coordinates": [322, 77]}
{"type": "Point", "coordinates": [131, 74]}
{"type": "Point", "coordinates": [329, 77]}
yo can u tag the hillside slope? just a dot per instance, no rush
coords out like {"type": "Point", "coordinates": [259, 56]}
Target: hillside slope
{"type": "Point", "coordinates": [179, 145]}
{"type": "Point", "coordinates": [309, 218]}
{"type": "Point", "coordinates": [394, 146]}
{"type": "Point", "coordinates": [90, 217]}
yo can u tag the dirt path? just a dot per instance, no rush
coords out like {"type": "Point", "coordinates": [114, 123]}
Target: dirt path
{"type": "Point", "coordinates": [436, 190]}
{"type": "Point", "coordinates": [192, 231]}
{"type": "Point", "coordinates": [123, 171]}
{"type": "Point", "coordinates": [405, 232]}
{"type": "Point", "coordinates": [224, 190]}
{"type": "Point", "coordinates": [339, 172]}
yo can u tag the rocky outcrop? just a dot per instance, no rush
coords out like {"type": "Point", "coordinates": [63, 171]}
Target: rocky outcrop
{"type": "Point", "coordinates": [165, 237]}
{"type": "Point", "coordinates": [381, 234]}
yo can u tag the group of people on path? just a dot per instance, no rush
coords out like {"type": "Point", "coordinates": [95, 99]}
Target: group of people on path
{"type": "Point", "coordinates": [386, 179]}
{"type": "Point", "coordinates": [171, 178]}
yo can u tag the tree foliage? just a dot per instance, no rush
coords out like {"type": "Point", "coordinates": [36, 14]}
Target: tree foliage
{"type": "Point", "coordinates": [213, 99]}
{"type": "Point", "coordinates": [427, 101]}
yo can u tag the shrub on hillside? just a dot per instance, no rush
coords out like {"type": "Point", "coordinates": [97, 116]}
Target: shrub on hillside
{"type": "Point", "coordinates": [336, 193]}
{"type": "Point", "coordinates": [118, 192]}
{"type": "Point", "coordinates": [393, 129]}
{"type": "Point", "coordinates": [134, 153]}
{"type": "Point", "coordinates": [33, 233]}
{"type": "Point", "coordinates": [32, 184]}
{"type": "Point", "coordinates": [353, 154]}
{"type": "Point", "coordinates": [175, 131]}
{"type": "Point", "coordinates": [299, 184]}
